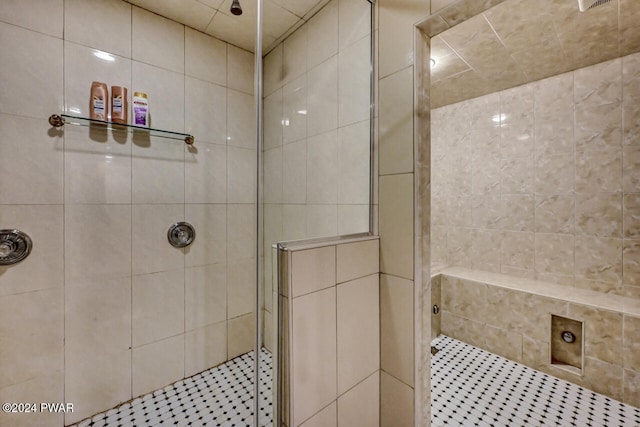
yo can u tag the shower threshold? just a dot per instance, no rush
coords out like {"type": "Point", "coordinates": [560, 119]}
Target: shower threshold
{"type": "Point", "coordinates": [472, 387]}
{"type": "Point", "coordinates": [220, 396]}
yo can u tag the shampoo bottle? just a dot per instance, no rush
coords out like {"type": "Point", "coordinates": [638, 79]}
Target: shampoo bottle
{"type": "Point", "coordinates": [119, 105]}
{"type": "Point", "coordinates": [140, 109]}
{"type": "Point", "coordinates": [98, 103]}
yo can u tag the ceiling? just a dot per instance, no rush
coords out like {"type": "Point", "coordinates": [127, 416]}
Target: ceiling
{"type": "Point", "coordinates": [520, 41]}
{"type": "Point", "coordinates": [280, 18]}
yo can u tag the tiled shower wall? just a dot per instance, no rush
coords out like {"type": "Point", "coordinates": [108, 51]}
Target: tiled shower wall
{"type": "Point", "coordinates": [317, 131]}
{"type": "Point", "coordinates": [316, 136]}
{"type": "Point", "coordinates": [104, 309]}
{"type": "Point", "coordinates": [333, 345]}
{"type": "Point", "coordinates": [542, 181]}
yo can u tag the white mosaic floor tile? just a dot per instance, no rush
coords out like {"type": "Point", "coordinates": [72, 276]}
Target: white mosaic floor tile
{"type": "Point", "coordinates": [221, 396]}
{"type": "Point", "coordinates": [472, 387]}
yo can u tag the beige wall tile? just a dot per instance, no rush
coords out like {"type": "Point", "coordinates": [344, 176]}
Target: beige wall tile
{"type": "Point", "coordinates": [603, 333]}
{"type": "Point", "coordinates": [396, 402]}
{"type": "Point", "coordinates": [631, 216]}
{"type": "Point", "coordinates": [356, 260]}
{"type": "Point", "coordinates": [631, 390]}
{"type": "Point", "coordinates": [396, 123]}
{"type": "Point", "coordinates": [151, 252]}
{"type": "Point", "coordinates": [33, 330]}
{"type": "Point", "coordinates": [93, 390]}
{"type": "Point", "coordinates": [294, 177]}
{"type": "Point", "coordinates": [396, 327]}
{"type": "Point", "coordinates": [240, 335]}
{"type": "Point", "coordinates": [34, 151]}
{"type": "Point", "coordinates": [396, 225]}
{"type": "Point", "coordinates": [205, 295]}
{"type": "Point", "coordinates": [396, 33]}
{"type": "Point", "coordinates": [598, 258]}
{"type": "Point", "coordinates": [631, 343]}
{"type": "Point", "coordinates": [314, 355]}
{"type": "Point", "coordinates": [358, 317]}
{"type": "Point", "coordinates": [354, 22]}
{"type": "Point", "coordinates": [465, 330]}
{"type": "Point", "coordinates": [206, 174]}
{"type": "Point", "coordinates": [241, 122]}
{"type": "Point", "coordinates": [598, 171]}
{"type": "Point", "coordinates": [39, 389]}
{"type": "Point", "coordinates": [205, 113]}
{"type": "Point", "coordinates": [503, 342]}
{"type": "Point", "coordinates": [464, 298]}
{"type": "Point", "coordinates": [241, 175]}
{"type": "Point", "coordinates": [599, 214]}
{"type": "Point", "coordinates": [205, 57]}
{"type": "Point", "coordinates": [518, 212]}
{"type": "Point", "coordinates": [212, 234]}
{"type": "Point", "coordinates": [82, 25]}
{"type": "Point", "coordinates": [354, 95]}
{"type": "Point", "coordinates": [354, 164]}
{"type": "Point", "coordinates": [97, 170]}
{"type": "Point", "coordinates": [517, 175]}
{"type": "Point", "coordinates": [555, 173]}
{"type": "Point", "coordinates": [328, 417]}
{"type": "Point", "coordinates": [48, 20]}
{"type": "Point", "coordinates": [313, 270]}
{"type": "Point", "coordinates": [518, 249]}
{"type": "Point", "coordinates": [157, 364]}
{"type": "Point", "coordinates": [360, 406]}
{"type": "Point", "coordinates": [554, 214]}
{"type": "Point", "coordinates": [322, 167]}
{"type": "Point", "coordinates": [322, 34]}
{"type": "Point", "coordinates": [157, 306]}
{"type": "Point", "coordinates": [150, 187]}
{"type": "Point", "coordinates": [241, 287]}
{"type": "Point", "coordinates": [241, 231]}
{"type": "Point", "coordinates": [44, 268]}
{"type": "Point", "coordinates": [599, 84]}
{"type": "Point", "coordinates": [603, 377]}
{"type": "Point", "coordinates": [35, 79]}
{"type": "Point", "coordinates": [147, 28]}
{"type": "Point", "coordinates": [240, 69]}
{"type": "Point", "coordinates": [322, 97]}
{"type": "Point", "coordinates": [554, 253]}
{"type": "Point", "coordinates": [630, 169]}
{"type": "Point", "coordinates": [631, 262]}
{"type": "Point", "coordinates": [205, 347]}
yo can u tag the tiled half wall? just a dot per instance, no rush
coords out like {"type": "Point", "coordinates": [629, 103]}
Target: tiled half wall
{"type": "Point", "coordinates": [331, 346]}
{"type": "Point", "coordinates": [512, 317]}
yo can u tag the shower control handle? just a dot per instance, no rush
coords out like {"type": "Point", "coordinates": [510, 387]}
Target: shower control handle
{"type": "Point", "coordinates": [15, 246]}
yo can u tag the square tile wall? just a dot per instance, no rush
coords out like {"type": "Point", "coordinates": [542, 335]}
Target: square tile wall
{"type": "Point", "coordinates": [540, 181]}
{"type": "Point", "coordinates": [335, 338]}
{"type": "Point", "coordinates": [317, 121]}
{"type": "Point", "coordinates": [102, 285]}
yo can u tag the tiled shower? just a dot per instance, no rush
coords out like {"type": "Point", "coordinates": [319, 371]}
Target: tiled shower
{"type": "Point", "coordinates": [104, 310]}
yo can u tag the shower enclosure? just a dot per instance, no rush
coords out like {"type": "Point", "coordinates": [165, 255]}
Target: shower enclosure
{"type": "Point", "coordinates": [534, 179]}
{"type": "Point", "coordinates": [104, 309]}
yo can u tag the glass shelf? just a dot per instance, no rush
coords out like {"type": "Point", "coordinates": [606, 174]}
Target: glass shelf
{"type": "Point", "coordinates": [59, 120]}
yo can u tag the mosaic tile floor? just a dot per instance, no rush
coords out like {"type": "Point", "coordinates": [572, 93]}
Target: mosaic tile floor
{"type": "Point", "coordinates": [472, 387]}
{"type": "Point", "coordinates": [221, 396]}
